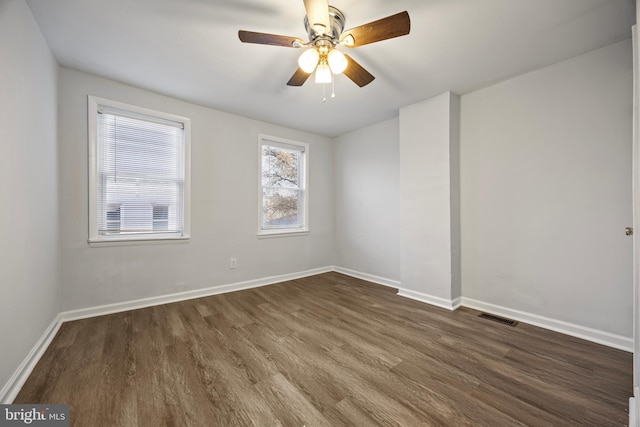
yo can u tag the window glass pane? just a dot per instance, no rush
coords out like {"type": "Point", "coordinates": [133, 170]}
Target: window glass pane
{"type": "Point", "coordinates": [280, 208]}
{"type": "Point", "coordinates": [282, 178]}
{"type": "Point", "coordinates": [280, 167]}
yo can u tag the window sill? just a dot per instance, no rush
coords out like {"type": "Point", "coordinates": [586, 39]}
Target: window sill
{"type": "Point", "coordinates": [271, 234]}
{"type": "Point", "coordinates": [98, 243]}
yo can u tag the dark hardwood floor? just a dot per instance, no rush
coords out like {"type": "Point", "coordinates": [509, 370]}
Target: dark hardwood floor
{"type": "Point", "coordinates": [328, 350]}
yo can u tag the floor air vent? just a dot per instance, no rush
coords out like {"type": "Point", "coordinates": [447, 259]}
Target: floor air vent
{"type": "Point", "coordinates": [498, 319]}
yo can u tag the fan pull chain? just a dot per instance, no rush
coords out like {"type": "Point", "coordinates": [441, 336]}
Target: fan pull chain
{"type": "Point", "coordinates": [333, 90]}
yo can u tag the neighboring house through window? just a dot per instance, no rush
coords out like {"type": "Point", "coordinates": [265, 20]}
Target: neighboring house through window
{"type": "Point", "coordinates": [113, 217]}
{"type": "Point", "coordinates": [283, 186]}
{"type": "Point", "coordinates": [139, 173]}
{"type": "Point", "coordinates": [161, 217]}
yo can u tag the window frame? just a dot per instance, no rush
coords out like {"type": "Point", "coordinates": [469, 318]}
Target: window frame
{"type": "Point", "coordinates": [296, 145]}
{"type": "Point", "coordinates": [93, 105]}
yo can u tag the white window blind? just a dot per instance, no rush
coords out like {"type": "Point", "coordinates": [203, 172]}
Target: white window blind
{"type": "Point", "coordinates": [139, 176]}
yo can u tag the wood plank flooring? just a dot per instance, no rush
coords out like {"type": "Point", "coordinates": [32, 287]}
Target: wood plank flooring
{"type": "Point", "coordinates": [327, 350]}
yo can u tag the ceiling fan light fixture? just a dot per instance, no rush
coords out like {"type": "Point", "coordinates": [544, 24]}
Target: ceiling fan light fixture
{"type": "Point", "coordinates": [309, 60]}
{"type": "Point", "coordinates": [325, 29]}
{"type": "Point", "coordinates": [337, 61]}
{"type": "Point", "coordinates": [323, 73]}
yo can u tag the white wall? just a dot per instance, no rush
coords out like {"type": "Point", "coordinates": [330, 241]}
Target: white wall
{"type": "Point", "coordinates": [224, 212]}
{"type": "Point", "coordinates": [546, 191]}
{"type": "Point", "coordinates": [367, 202]}
{"type": "Point", "coordinates": [427, 143]}
{"type": "Point", "coordinates": [30, 247]}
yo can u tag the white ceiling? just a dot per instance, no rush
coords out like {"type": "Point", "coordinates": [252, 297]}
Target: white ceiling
{"type": "Point", "coordinates": [189, 49]}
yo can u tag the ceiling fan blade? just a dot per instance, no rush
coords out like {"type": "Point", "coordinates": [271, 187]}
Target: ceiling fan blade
{"type": "Point", "coordinates": [357, 73]}
{"type": "Point", "coordinates": [298, 78]}
{"type": "Point", "coordinates": [270, 39]}
{"type": "Point", "coordinates": [386, 28]}
{"type": "Point", "coordinates": [318, 15]}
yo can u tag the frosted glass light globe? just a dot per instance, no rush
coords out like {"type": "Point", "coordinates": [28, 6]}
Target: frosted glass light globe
{"type": "Point", "coordinates": [337, 61]}
{"type": "Point", "coordinates": [308, 60]}
{"type": "Point", "coordinates": [323, 73]}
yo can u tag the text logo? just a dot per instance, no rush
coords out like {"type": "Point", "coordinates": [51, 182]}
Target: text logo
{"type": "Point", "coordinates": [34, 415]}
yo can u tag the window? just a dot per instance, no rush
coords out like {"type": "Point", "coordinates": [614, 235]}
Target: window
{"type": "Point", "coordinates": [283, 186]}
{"type": "Point", "coordinates": [139, 173]}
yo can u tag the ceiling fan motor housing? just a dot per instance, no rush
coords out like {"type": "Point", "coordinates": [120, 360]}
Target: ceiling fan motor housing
{"type": "Point", "coordinates": [337, 22]}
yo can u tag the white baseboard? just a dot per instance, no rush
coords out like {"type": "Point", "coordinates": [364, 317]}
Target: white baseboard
{"type": "Point", "coordinates": [430, 299]}
{"type": "Point", "coordinates": [118, 307]}
{"type": "Point", "coordinates": [368, 277]}
{"type": "Point", "coordinates": [600, 337]}
{"type": "Point", "coordinates": [593, 335]}
{"type": "Point", "coordinates": [418, 296]}
{"type": "Point", "coordinates": [11, 389]}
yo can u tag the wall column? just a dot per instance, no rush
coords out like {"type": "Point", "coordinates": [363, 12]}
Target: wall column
{"type": "Point", "coordinates": [430, 201]}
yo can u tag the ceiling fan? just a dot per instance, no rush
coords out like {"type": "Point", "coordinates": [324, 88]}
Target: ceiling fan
{"type": "Point", "coordinates": [325, 27]}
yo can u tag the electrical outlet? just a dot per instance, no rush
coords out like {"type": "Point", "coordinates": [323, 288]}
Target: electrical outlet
{"type": "Point", "coordinates": [233, 263]}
